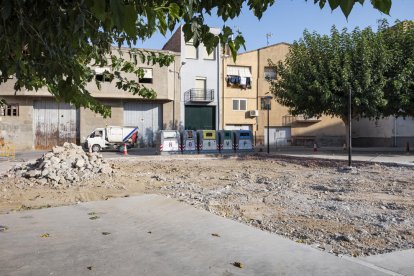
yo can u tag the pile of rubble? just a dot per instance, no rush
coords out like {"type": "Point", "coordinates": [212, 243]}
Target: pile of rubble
{"type": "Point", "coordinates": [65, 164]}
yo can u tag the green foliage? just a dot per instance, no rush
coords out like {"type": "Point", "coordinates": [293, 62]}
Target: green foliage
{"type": "Point", "coordinates": [55, 43]}
{"type": "Point", "coordinates": [320, 70]}
{"type": "Point", "coordinates": [3, 102]}
{"type": "Point", "coordinates": [346, 6]}
{"type": "Point", "coordinates": [399, 89]}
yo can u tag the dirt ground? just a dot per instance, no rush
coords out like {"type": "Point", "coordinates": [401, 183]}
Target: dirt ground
{"type": "Point", "coordinates": [366, 211]}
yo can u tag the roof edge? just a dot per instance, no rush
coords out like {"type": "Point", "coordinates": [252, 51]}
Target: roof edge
{"type": "Point", "coordinates": [125, 49]}
{"type": "Point", "coordinates": [268, 46]}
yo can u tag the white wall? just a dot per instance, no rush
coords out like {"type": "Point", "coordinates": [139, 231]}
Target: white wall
{"type": "Point", "coordinates": [390, 132]}
{"type": "Point", "coordinates": [200, 67]}
{"type": "Point", "coordinates": [372, 128]}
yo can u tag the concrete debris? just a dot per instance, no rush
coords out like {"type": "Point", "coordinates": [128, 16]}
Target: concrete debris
{"type": "Point", "coordinates": [67, 164]}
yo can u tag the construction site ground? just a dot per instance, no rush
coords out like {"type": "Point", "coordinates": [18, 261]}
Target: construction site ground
{"type": "Point", "coordinates": [364, 211]}
{"type": "Point", "coordinates": [154, 235]}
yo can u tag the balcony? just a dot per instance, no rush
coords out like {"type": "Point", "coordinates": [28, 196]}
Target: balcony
{"type": "Point", "coordinates": [196, 95]}
{"type": "Point", "coordinates": [289, 119]}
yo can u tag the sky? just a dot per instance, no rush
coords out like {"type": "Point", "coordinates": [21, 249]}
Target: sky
{"type": "Point", "coordinates": [287, 19]}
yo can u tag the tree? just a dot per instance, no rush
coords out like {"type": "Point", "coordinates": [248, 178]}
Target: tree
{"type": "Point", "coordinates": [399, 89]}
{"type": "Point", "coordinates": [54, 43]}
{"type": "Point", "coordinates": [319, 72]}
{"type": "Point", "coordinates": [347, 5]}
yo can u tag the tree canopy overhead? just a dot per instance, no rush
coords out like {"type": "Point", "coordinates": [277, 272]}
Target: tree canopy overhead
{"type": "Point", "coordinates": [54, 43]}
{"type": "Point", "coordinates": [347, 6]}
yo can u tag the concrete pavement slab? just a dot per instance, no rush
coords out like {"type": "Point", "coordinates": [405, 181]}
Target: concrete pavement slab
{"type": "Point", "coordinates": [153, 235]}
{"type": "Point", "coordinates": [400, 261]}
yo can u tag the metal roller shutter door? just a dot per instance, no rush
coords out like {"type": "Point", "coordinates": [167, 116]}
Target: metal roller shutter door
{"type": "Point", "coordinates": [54, 124]}
{"type": "Point", "coordinates": [148, 118]}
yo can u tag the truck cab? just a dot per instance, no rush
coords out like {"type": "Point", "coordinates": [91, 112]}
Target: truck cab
{"type": "Point", "coordinates": [96, 140]}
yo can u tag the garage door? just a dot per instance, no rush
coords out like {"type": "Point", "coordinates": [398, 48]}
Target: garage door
{"type": "Point", "coordinates": [278, 136]}
{"type": "Point", "coordinates": [200, 117]}
{"type": "Point", "coordinates": [147, 117]}
{"type": "Point", "coordinates": [54, 124]}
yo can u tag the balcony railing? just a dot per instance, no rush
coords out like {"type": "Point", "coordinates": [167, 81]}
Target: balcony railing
{"type": "Point", "coordinates": [289, 119]}
{"type": "Point", "coordinates": [199, 95]}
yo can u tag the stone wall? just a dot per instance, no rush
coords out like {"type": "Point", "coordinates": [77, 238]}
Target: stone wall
{"type": "Point", "coordinates": [18, 129]}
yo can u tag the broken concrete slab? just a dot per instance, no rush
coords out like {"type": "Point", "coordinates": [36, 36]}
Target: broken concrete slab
{"type": "Point", "coordinates": [399, 261]}
{"type": "Point", "coordinates": [180, 243]}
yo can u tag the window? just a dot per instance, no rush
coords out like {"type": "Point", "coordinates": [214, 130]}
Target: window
{"type": "Point", "coordinates": [201, 84]}
{"type": "Point", "coordinates": [210, 56]}
{"type": "Point", "coordinates": [239, 104]}
{"type": "Point", "coordinates": [190, 50]}
{"type": "Point", "coordinates": [147, 76]}
{"type": "Point", "coordinates": [11, 110]}
{"type": "Point", "coordinates": [239, 77]}
{"type": "Point", "coordinates": [270, 73]}
{"type": "Point", "coordinates": [98, 133]}
{"type": "Point", "coordinates": [263, 104]}
{"type": "Point", "coordinates": [102, 74]}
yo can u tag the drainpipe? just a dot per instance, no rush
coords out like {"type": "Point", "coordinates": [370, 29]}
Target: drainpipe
{"type": "Point", "coordinates": [173, 116]}
{"type": "Point", "coordinates": [222, 84]}
{"type": "Point", "coordinates": [218, 86]}
{"type": "Point", "coordinates": [257, 96]}
{"type": "Point", "coordinates": [224, 63]}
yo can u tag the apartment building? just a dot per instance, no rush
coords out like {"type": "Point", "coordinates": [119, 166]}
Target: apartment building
{"type": "Point", "coordinates": [34, 120]}
{"type": "Point", "coordinates": [245, 86]}
{"type": "Point", "coordinates": [239, 97]}
{"type": "Point", "coordinates": [200, 81]}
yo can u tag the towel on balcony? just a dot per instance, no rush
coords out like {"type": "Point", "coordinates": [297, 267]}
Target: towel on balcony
{"type": "Point", "coordinates": [243, 82]}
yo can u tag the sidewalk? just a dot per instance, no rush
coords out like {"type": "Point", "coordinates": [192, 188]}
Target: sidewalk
{"type": "Point", "coordinates": [154, 235]}
{"type": "Point", "coordinates": [399, 150]}
{"type": "Point", "coordinates": [381, 155]}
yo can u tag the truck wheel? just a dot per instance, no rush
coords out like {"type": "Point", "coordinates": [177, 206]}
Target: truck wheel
{"type": "Point", "coordinates": [96, 148]}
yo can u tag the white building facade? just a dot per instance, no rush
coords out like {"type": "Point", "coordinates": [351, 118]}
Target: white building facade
{"type": "Point", "coordinates": [200, 83]}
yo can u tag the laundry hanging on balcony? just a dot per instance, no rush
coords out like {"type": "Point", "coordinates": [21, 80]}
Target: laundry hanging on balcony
{"type": "Point", "coordinates": [231, 79]}
{"type": "Point", "coordinates": [238, 76]}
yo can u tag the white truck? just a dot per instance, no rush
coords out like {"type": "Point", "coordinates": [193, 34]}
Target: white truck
{"type": "Point", "coordinates": [111, 137]}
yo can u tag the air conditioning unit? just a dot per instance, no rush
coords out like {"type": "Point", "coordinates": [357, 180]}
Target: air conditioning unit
{"type": "Point", "coordinates": [254, 113]}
